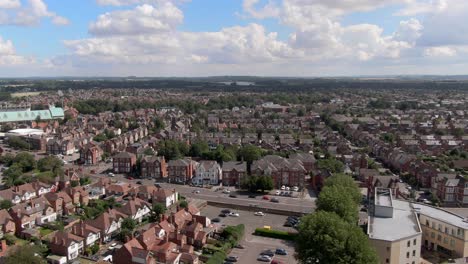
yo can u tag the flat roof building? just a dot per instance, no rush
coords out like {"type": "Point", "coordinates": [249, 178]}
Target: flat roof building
{"type": "Point", "coordinates": [23, 115]}
{"type": "Point", "coordinates": [394, 229]}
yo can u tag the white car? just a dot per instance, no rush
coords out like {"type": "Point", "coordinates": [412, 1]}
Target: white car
{"type": "Point", "coordinates": [111, 174]}
{"type": "Point", "coordinates": [234, 214]}
{"type": "Point", "coordinates": [226, 191]}
{"type": "Point", "coordinates": [283, 187]}
{"type": "Point", "coordinates": [277, 193]}
{"type": "Point", "coordinates": [113, 245]}
{"type": "Point", "coordinates": [259, 213]}
{"type": "Point", "coordinates": [287, 188]}
{"type": "Point", "coordinates": [295, 188]}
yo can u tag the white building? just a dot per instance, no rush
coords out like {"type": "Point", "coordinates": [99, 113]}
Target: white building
{"type": "Point", "coordinates": [207, 172]}
{"type": "Point", "coordinates": [394, 230]}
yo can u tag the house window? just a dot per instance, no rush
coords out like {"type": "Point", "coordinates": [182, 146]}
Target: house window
{"type": "Point", "coordinates": [387, 261]}
{"type": "Point", "coordinates": [408, 243]}
{"type": "Point", "coordinates": [407, 254]}
{"type": "Point", "coordinates": [427, 222]}
{"type": "Point", "coordinates": [414, 242]}
{"type": "Point", "coordinates": [388, 249]}
{"type": "Point", "coordinates": [414, 253]}
{"type": "Point", "coordinates": [452, 242]}
{"type": "Point", "coordinates": [439, 237]}
{"type": "Point", "coordinates": [445, 240]}
{"type": "Point", "coordinates": [432, 235]}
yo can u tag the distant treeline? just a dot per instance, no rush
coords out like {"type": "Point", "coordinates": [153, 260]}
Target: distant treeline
{"type": "Point", "coordinates": [260, 85]}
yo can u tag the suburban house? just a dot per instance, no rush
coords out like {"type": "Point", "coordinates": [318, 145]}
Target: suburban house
{"type": "Point", "coordinates": [181, 170]}
{"type": "Point", "coordinates": [207, 172]}
{"type": "Point", "coordinates": [288, 172]}
{"type": "Point", "coordinates": [90, 234]}
{"type": "Point", "coordinates": [31, 213]}
{"type": "Point", "coordinates": [155, 194]}
{"type": "Point", "coordinates": [153, 168]}
{"type": "Point", "coordinates": [108, 223]}
{"type": "Point", "coordinates": [136, 209]}
{"type": "Point", "coordinates": [234, 172]}
{"type": "Point", "coordinates": [61, 202]}
{"type": "Point", "coordinates": [124, 162]}
{"type": "Point", "coordinates": [7, 224]}
{"type": "Point", "coordinates": [91, 154]}
{"type": "Point", "coordinates": [66, 244]}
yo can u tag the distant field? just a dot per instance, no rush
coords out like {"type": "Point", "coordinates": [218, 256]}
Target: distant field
{"type": "Point", "coordinates": [14, 95]}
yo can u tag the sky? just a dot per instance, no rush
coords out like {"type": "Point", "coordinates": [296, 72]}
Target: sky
{"type": "Point", "coordinates": [303, 38]}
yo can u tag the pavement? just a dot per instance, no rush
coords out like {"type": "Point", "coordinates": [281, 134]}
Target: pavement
{"type": "Point", "coordinates": [254, 245]}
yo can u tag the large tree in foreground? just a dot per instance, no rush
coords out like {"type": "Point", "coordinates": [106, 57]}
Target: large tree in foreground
{"type": "Point", "coordinates": [325, 238]}
{"type": "Point", "coordinates": [338, 200]}
{"type": "Point", "coordinates": [346, 182]}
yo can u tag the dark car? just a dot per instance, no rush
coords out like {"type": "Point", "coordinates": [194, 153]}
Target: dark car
{"type": "Point", "coordinates": [216, 220]}
{"type": "Point", "coordinates": [268, 252]}
{"type": "Point", "coordinates": [232, 258]}
{"type": "Point", "coordinates": [252, 196]}
{"type": "Point", "coordinates": [288, 224]}
{"type": "Point", "coordinates": [225, 211]}
{"type": "Point", "coordinates": [239, 246]}
{"type": "Point", "coordinates": [139, 182]}
{"type": "Point", "coordinates": [274, 200]}
{"type": "Point", "coordinates": [222, 215]}
{"type": "Point", "coordinates": [233, 195]}
{"type": "Point", "coordinates": [281, 251]}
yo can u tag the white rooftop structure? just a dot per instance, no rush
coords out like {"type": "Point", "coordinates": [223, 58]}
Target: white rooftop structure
{"type": "Point", "coordinates": [24, 132]}
{"type": "Point", "coordinates": [441, 215]}
{"type": "Point", "coordinates": [393, 219]}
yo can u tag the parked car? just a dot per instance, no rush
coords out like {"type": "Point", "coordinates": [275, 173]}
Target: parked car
{"type": "Point", "coordinates": [226, 191]}
{"type": "Point", "coordinates": [130, 178]}
{"type": "Point", "coordinates": [239, 246]}
{"type": "Point", "coordinates": [275, 200]}
{"type": "Point", "coordinates": [265, 197]}
{"type": "Point", "coordinates": [259, 213]}
{"type": "Point", "coordinates": [222, 215]}
{"type": "Point", "coordinates": [139, 182]}
{"type": "Point", "coordinates": [287, 189]}
{"type": "Point", "coordinates": [196, 191]}
{"type": "Point", "coordinates": [281, 251]}
{"type": "Point", "coordinates": [234, 214]}
{"type": "Point", "coordinates": [288, 224]}
{"type": "Point", "coordinates": [232, 258]}
{"type": "Point", "coordinates": [268, 252]}
{"type": "Point", "coordinates": [216, 220]}
{"type": "Point", "coordinates": [233, 195]}
{"type": "Point", "coordinates": [225, 211]}
{"type": "Point", "coordinates": [252, 196]}
{"type": "Point", "coordinates": [277, 193]}
{"type": "Point", "coordinates": [295, 188]}
{"type": "Point", "coordinates": [283, 188]}
{"type": "Point", "coordinates": [264, 258]}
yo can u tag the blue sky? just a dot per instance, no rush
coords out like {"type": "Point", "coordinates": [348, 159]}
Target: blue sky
{"type": "Point", "coordinates": [255, 37]}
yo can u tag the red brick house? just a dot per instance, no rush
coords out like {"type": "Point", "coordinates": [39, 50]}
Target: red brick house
{"type": "Point", "coordinates": [124, 162]}
{"type": "Point", "coordinates": [288, 172]}
{"type": "Point", "coordinates": [234, 172]}
{"type": "Point", "coordinates": [91, 154]}
{"type": "Point", "coordinates": [153, 168]}
{"type": "Point", "coordinates": [7, 224]}
{"type": "Point", "coordinates": [181, 170]}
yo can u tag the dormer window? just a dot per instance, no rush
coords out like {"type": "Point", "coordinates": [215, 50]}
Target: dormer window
{"type": "Point", "coordinates": [36, 205]}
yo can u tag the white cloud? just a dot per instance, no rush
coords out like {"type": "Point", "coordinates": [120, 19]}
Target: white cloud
{"type": "Point", "coordinates": [271, 9]}
{"type": "Point", "coordinates": [416, 7]}
{"type": "Point", "coordinates": [142, 19]}
{"type": "Point", "coordinates": [136, 2]}
{"type": "Point", "coordinates": [30, 14]}
{"type": "Point", "coordinates": [440, 52]}
{"type": "Point", "coordinates": [7, 4]}
{"type": "Point", "coordinates": [8, 54]}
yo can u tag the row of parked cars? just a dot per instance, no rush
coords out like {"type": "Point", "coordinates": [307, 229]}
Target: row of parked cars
{"type": "Point", "coordinates": [267, 255]}
{"type": "Point", "coordinates": [292, 221]}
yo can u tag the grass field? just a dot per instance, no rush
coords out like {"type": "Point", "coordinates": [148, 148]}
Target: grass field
{"type": "Point", "coordinates": [14, 95]}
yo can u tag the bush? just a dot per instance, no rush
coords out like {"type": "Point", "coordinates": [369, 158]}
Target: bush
{"type": "Point", "coordinates": [217, 258]}
{"type": "Point", "coordinates": [274, 234]}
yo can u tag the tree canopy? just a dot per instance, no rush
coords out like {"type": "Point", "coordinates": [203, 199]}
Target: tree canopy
{"type": "Point", "coordinates": [337, 199]}
{"type": "Point", "coordinates": [326, 238]}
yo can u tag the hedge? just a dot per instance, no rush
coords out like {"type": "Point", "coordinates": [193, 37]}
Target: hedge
{"type": "Point", "coordinates": [274, 234]}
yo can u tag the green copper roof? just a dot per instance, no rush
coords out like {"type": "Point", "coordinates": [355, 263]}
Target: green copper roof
{"type": "Point", "coordinates": [28, 115]}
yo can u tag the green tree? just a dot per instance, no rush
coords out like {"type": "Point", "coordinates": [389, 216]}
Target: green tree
{"type": "Point", "coordinates": [127, 228]}
{"type": "Point", "coordinates": [172, 149]}
{"type": "Point", "coordinates": [25, 254]}
{"type": "Point", "coordinates": [199, 148]}
{"type": "Point", "coordinates": [346, 182]}
{"type": "Point", "coordinates": [50, 163]}
{"type": "Point", "coordinates": [250, 153]}
{"type": "Point", "coordinates": [12, 176]}
{"type": "Point", "coordinates": [158, 124]}
{"type": "Point", "coordinates": [26, 161]}
{"type": "Point", "coordinates": [332, 165]}
{"type": "Point", "coordinates": [264, 183]}
{"type": "Point", "coordinates": [157, 211]}
{"type": "Point", "coordinates": [325, 238]}
{"type": "Point", "coordinates": [336, 199]}
{"type": "Point", "coordinates": [5, 204]}
{"type": "Point", "coordinates": [18, 143]}
{"type": "Point", "coordinates": [183, 204]}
